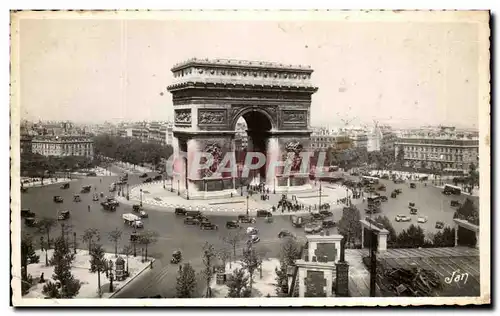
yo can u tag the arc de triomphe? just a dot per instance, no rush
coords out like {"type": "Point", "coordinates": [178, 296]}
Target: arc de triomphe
{"type": "Point", "coordinates": [209, 96]}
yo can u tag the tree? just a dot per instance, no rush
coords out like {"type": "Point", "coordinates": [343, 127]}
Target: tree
{"type": "Point", "coordinates": [290, 251]}
{"type": "Point", "coordinates": [28, 256]}
{"type": "Point", "coordinates": [413, 237]}
{"type": "Point", "coordinates": [89, 235]}
{"type": "Point", "coordinates": [237, 284]}
{"type": "Point", "coordinates": [467, 211]}
{"type": "Point", "coordinates": [186, 281]}
{"type": "Point", "coordinates": [233, 238]}
{"type": "Point", "coordinates": [400, 156]}
{"type": "Point", "coordinates": [115, 236]}
{"type": "Point", "coordinates": [127, 251]}
{"type": "Point", "coordinates": [445, 238]}
{"type": "Point", "coordinates": [224, 255]}
{"type": "Point", "coordinates": [62, 258]}
{"type": "Point", "coordinates": [97, 263]}
{"type": "Point", "coordinates": [148, 238]}
{"type": "Point", "coordinates": [349, 224]}
{"type": "Point", "coordinates": [250, 262]}
{"type": "Point", "coordinates": [386, 223]}
{"type": "Point", "coordinates": [208, 262]}
{"type": "Point", "coordinates": [44, 226]}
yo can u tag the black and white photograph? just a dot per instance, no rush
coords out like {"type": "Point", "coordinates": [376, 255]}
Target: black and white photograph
{"type": "Point", "coordinates": [250, 158]}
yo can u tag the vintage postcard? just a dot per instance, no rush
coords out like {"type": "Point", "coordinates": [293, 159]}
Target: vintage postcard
{"type": "Point", "coordinates": [250, 158]}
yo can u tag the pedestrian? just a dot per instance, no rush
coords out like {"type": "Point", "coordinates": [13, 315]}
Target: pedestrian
{"type": "Point", "coordinates": [100, 180]}
{"type": "Point", "coordinates": [89, 207]}
{"type": "Point", "coordinates": [151, 264]}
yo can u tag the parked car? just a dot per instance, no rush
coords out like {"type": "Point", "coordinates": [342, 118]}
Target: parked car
{"type": "Point", "coordinates": [411, 204]}
{"type": "Point", "coordinates": [422, 219]}
{"type": "Point", "coordinates": [77, 198]}
{"type": "Point", "coordinates": [58, 199]}
{"type": "Point", "coordinates": [112, 201]}
{"type": "Point", "coordinates": [439, 225]}
{"type": "Point", "coordinates": [86, 189]}
{"type": "Point", "coordinates": [245, 219]}
{"type": "Point", "coordinates": [180, 211]}
{"type": "Point", "coordinates": [413, 211]}
{"type": "Point", "coordinates": [63, 215]}
{"type": "Point", "coordinates": [157, 178]}
{"type": "Point", "coordinates": [30, 221]}
{"type": "Point", "coordinates": [455, 203]}
{"type": "Point", "coordinates": [208, 225]}
{"type": "Point", "coordinates": [232, 224]}
{"type": "Point", "coordinates": [148, 180]}
{"type": "Point", "coordinates": [413, 185]}
{"type": "Point", "coordinates": [144, 175]}
{"type": "Point", "coordinates": [328, 223]}
{"type": "Point", "coordinates": [91, 174]}
{"type": "Point", "coordinates": [108, 206]}
{"type": "Point", "coordinates": [65, 186]}
{"type": "Point", "coordinates": [191, 221]}
{"type": "Point", "coordinates": [26, 212]}
{"type": "Point", "coordinates": [253, 239]}
{"type": "Point", "coordinates": [403, 218]}
{"type": "Point", "coordinates": [263, 213]}
{"type": "Point", "coordinates": [394, 195]}
{"type": "Point", "coordinates": [326, 213]}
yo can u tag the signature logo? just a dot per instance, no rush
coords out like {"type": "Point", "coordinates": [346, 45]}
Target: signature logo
{"type": "Point", "coordinates": [457, 277]}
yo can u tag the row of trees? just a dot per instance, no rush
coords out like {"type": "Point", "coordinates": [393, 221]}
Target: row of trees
{"type": "Point", "coordinates": [356, 157]}
{"type": "Point", "coordinates": [131, 150]}
{"type": "Point", "coordinates": [36, 165]}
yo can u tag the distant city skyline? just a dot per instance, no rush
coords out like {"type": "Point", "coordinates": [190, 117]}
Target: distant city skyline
{"type": "Point", "coordinates": [398, 73]}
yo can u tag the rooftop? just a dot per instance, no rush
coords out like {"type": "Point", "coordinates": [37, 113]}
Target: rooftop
{"type": "Point", "coordinates": [240, 63]}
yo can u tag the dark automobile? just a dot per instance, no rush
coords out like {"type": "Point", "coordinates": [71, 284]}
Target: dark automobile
{"type": "Point", "coordinates": [86, 189]}
{"type": "Point", "coordinates": [411, 204]}
{"type": "Point", "coordinates": [157, 178]}
{"type": "Point", "coordinates": [176, 257]}
{"type": "Point", "coordinates": [108, 206]}
{"type": "Point", "coordinates": [413, 185]}
{"type": "Point", "coordinates": [381, 187]}
{"type": "Point", "coordinates": [398, 191]}
{"type": "Point", "coordinates": [112, 201]}
{"type": "Point", "coordinates": [58, 199]}
{"type": "Point", "coordinates": [413, 211]}
{"type": "Point", "coordinates": [148, 180]}
{"type": "Point", "coordinates": [285, 233]}
{"type": "Point", "coordinates": [208, 225]}
{"type": "Point", "coordinates": [193, 213]}
{"type": "Point", "coordinates": [77, 198]}
{"type": "Point", "coordinates": [394, 195]}
{"type": "Point", "coordinates": [144, 175]}
{"type": "Point", "coordinates": [191, 221]}
{"type": "Point", "coordinates": [63, 215]}
{"type": "Point", "coordinates": [232, 224]}
{"type": "Point", "coordinates": [263, 213]}
{"type": "Point", "coordinates": [136, 207]}
{"type": "Point", "coordinates": [317, 216]}
{"type": "Point", "coordinates": [455, 203]}
{"type": "Point", "coordinates": [27, 213]}
{"type": "Point", "coordinates": [180, 211]}
{"type": "Point", "coordinates": [246, 219]}
{"type": "Point", "coordinates": [65, 186]}
{"type": "Point", "coordinates": [326, 213]}
{"type": "Point", "coordinates": [328, 224]}
{"type": "Point", "coordinates": [30, 222]}
{"type": "Point", "coordinates": [91, 174]}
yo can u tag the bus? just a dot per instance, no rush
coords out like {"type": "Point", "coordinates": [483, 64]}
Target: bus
{"type": "Point", "coordinates": [452, 189]}
{"type": "Point", "coordinates": [369, 180]}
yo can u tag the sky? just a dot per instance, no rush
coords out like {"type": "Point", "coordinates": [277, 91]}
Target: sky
{"type": "Point", "coordinates": [400, 73]}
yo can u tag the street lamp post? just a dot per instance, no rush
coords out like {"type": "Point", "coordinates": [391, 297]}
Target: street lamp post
{"type": "Point", "coordinates": [172, 184]}
{"type": "Point", "coordinates": [141, 197]}
{"type": "Point", "coordinates": [74, 242]}
{"type": "Point", "coordinates": [128, 196]}
{"type": "Point", "coordinates": [319, 206]}
{"type": "Point", "coordinates": [274, 185]}
{"type": "Point", "coordinates": [178, 187]}
{"type": "Point", "coordinates": [163, 182]}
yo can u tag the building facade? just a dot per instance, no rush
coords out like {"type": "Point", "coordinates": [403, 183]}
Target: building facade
{"type": "Point", "coordinates": [61, 146]}
{"type": "Point", "coordinates": [444, 151]}
{"type": "Point", "coordinates": [149, 132]}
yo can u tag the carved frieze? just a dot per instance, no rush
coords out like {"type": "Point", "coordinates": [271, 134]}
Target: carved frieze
{"type": "Point", "coordinates": [294, 118]}
{"type": "Point", "coordinates": [183, 117]}
{"type": "Point", "coordinates": [211, 117]}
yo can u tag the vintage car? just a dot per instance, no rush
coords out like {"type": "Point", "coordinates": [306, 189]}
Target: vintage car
{"type": "Point", "coordinates": [439, 225]}
{"type": "Point", "coordinates": [77, 198]}
{"type": "Point", "coordinates": [95, 197]}
{"type": "Point", "coordinates": [180, 211]}
{"type": "Point", "coordinates": [328, 223]}
{"type": "Point", "coordinates": [195, 214]}
{"type": "Point", "coordinates": [27, 213]}
{"type": "Point", "coordinates": [411, 204]}
{"type": "Point", "coordinates": [245, 219]}
{"type": "Point", "coordinates": [252, 231]}
{"type": "Point", "coordinates": [157, 178]}
{"type": "Point", "coordinates": [63, 215]}
{"type": "Point", "coordinates": [381, 187]}
{"type": "Point", "coordinates": [285, 233]}
{"type": "Point", "coordinates": [253, 239]}
{"type": "Point", "coordinates": [383, 198]}
{"type": "Point", "coordinates": [394, 195]}
{"type": "Point", "coordinates": [317, 216]}
{"type": "Point", "coordinates": [86, 189]}
{"type": "Point", "coordinates": [112, 201]}
{"type": "Point", "coordinates": [263, 213]}
{"type": "Point", "coordinates": [191, 221]}
{"type": "Point", "coordinates": [398, 191]}
{"type": "Point", "coordinates": [148, 180]}
{"type": "Point", "coordinates": [403, 218]}
{"type": "Point", "coordinates": [65, 186]}
{"type": "Point", "coordinates": [413, 185]}
{"type": "Point", "coordinates": [108, 206]}
{"type": "Point", "coordinates": [312, 228]}
{"type": "Point", "coordinates": [58, 199]}
{"type": "Point", "coordinates": [176, 257]}
{"type": "Point", "coordinates": [455, 203]}
{"type": "Point", "coordinates": [413, 211]}
{"type": "Point", "coordinates": [422, 219]}
{"type": "Point", "coordinates": [144, 175]}
{"type": "Point", "coordinates": [232, 224]}
{"type": "Point", "coordinates": [398, 180]}
{"type": "Point", "coordinates": [207, 225]}
{"type": "Point", "coordinates": [91, 174]}
{"type": "Point", "coordinates": [326, 213]}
